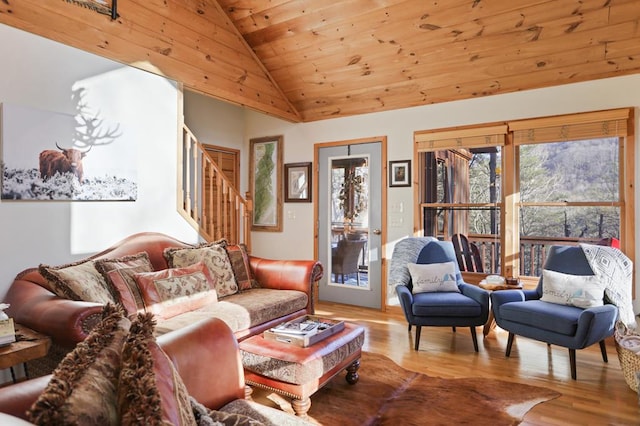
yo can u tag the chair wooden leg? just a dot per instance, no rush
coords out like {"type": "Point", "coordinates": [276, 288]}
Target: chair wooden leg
{"type": "Point", "coordinates": [475, 338]}
{"type": "Point", "coordinates": [572, 362]}
{"type": "Point", "coordinates": [603, 350]}
{"type": "Point", "coordinates": [409, 327]}
{"type": "Point", "coordinates": [509, 344]}
{"type": "Point", "coordinates": [418, 329]}
{"type": "Point", "coordinates": [454, 329]}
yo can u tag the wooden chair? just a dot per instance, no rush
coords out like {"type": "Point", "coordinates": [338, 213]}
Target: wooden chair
{"type": "Point", "coordinates": [467, 254]}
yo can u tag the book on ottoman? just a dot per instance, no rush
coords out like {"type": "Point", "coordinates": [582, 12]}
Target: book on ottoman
{"type": "Point", "coordinates": [304, 331]}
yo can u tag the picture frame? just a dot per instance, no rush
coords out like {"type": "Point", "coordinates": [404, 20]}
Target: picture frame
{"type": "Point", "coordinates": [265, 183]}
{"type": "Point", "coordinates": [297, 183]}
{"type": "Point", "coordinates": [400, 173]}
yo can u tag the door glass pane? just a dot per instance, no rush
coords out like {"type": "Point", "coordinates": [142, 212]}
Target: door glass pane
{"type": "Point", "coordinates": [349, 221]}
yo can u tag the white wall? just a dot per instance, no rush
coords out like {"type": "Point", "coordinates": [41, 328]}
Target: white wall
{"type": "Point", "coordinates": [399, 126]}
{"type": "Point", "coordinates": [40, 73]}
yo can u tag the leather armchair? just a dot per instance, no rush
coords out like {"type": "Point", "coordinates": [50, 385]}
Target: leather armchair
{"type": "Point", "coordinates": [469, 308]}
{"type": "Point", "coordinates": [522, 312]}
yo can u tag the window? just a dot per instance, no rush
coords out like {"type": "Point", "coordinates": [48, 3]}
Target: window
{"type": "Point", "coordinates": [515, 188]}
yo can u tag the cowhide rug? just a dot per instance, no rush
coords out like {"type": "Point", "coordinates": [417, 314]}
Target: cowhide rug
{"type": "Point", "coordinates": [388, 394]}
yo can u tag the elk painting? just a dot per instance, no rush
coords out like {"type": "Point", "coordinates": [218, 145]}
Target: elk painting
{"type": "Point", "coordinates": [64, 161]}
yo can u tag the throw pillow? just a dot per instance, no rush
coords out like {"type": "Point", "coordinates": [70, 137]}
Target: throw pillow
{"type": "Point", "coordinates": [83, 387]}
{"type": "Point", "coordinates": [119, 274]}
{"type": "Point", "coordinates": [77, 281]}
{"type": "Point", "coordinates": [214, 256]}
{"type": "Point", "coordinates": [433, 277]}
{"type": "Point", "coordinates": [174, 291]}
{"type": "Point", "coordinates": [240, 265]}
{"type": "Point", "coordinates": [150, 391]}
{"type": "Point", "coordinates": [583, 291]}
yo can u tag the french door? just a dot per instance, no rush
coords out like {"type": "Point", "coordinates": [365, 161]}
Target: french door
{"type": "Point", "coordinates": [350, 211]}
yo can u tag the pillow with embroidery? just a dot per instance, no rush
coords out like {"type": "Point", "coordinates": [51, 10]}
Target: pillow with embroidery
{"type": "Point", "coordinates": [433, 277]}
{"type": "Point", "coordinates": [214, 256]}
{"type": "Point", "coordinates": [170, 292]}
{"type": "Point", "coordinates": [582, 291]}
{"type": "Point", "coordinates": [119, 274]}
{"type": "Point", "coordinates": [78, 281]}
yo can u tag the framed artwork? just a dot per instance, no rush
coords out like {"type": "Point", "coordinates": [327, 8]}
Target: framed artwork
{"type": "Point", "coordinates": [48, 156]}
{"type": "Point", "coordinates": [400, 173]}
{"type": "Point", "coordinates": [297, 183]}
{"type": "Point", "coordinates": [265, 183]}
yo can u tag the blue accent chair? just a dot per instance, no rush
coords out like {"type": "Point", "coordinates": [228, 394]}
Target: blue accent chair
{"type": "Point", "coordinates": [522, 312]}
{"type": "Point", "coordinates": [469, 308]}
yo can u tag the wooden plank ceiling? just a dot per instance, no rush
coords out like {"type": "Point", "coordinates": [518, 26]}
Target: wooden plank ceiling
{"type": "Point", "coordinates": [306, 60]}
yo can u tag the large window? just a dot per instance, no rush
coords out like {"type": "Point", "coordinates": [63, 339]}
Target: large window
{"type": "Point", "coordinates": [512, 189]}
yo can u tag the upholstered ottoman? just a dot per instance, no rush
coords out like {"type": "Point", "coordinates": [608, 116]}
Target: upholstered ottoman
{"type": "Point", "coordinates": [298, 372]}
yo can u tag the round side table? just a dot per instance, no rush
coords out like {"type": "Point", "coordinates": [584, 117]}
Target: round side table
{"type": "Point", "coordinates": [491, 321]}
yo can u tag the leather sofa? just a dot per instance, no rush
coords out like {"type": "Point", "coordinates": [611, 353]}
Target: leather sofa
{"type": "Point", "coordinates": [207, 346]}
{"type": "Point", "coordinates": [68, 322]}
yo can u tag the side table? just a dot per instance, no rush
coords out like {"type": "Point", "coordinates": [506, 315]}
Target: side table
{"type": "Point", "coordinates": [491, 321]}
{"type": "Point", "coordinates": [29, 345]}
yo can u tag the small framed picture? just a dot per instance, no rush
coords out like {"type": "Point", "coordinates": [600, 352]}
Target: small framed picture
{"type": "Point", "coordinates": [297, 183]}
{"type": "Point", "coordinates": [400, 173]}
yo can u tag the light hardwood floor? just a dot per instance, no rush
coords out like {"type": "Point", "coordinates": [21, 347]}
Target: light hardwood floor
{"type": "Point", "coordinates": [600, 396]}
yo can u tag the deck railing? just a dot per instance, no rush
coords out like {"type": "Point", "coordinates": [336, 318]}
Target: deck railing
{"type": "Point", "coordinates": [207, 199]}
{"type": "Point", "coordinates": [533, 252]}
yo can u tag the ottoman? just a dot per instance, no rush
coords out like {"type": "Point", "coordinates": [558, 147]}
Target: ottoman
{"type": "Point", "coordinates": [297, 372]}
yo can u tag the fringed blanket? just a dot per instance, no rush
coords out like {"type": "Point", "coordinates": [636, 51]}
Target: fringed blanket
{"type": "Point", "coordinates": [616, 272]}
{"type": "Point", "coordinates": [405, 251]}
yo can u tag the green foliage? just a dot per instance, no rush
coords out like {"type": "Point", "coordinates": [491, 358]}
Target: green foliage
{"type": "Point", "coordinates": [263, 182]}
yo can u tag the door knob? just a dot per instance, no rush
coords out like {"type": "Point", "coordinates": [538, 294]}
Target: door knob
{"type": "Point", "coordinates": [377, 231]}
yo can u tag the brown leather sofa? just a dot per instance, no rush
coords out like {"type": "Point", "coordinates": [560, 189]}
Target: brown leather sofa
{"type": "Point", "coordinates": [68, 322]}
{"type": "Point", "coordinates": [206, 357]}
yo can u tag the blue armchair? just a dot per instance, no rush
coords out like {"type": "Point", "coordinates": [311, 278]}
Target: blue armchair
{"type": "Point", "coordinates": [469, 308]}
{"type": "Point", "coordinates": [522, 312]}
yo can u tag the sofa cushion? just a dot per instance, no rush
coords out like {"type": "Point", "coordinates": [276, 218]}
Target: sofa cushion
{"type": "Point", "coordinates": [583, 291]}
{"type": "Point", "coordinates": [562, 319]}
{"type": "Point", "coordinates": [78, 281]}
{"type": "Point", "coordinates": [83, 387]}
{"type": "Point", "coordinates": [174, 291]}
{"type": "Point", "coordinates": [243, 310]}
{"type": "Point", "coordinates": [119, 275]}
{"type": "Point", "coordinates": [240, 264]}
{"type": "Point", "coordinates": [150, 388]}
{"type": "Point", "coordinates": [214, 256]}
{"type": "Point", "coordinates": [433, 277]}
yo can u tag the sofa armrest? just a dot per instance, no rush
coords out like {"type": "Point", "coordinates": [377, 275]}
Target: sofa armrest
{"type": "Point", "coordinates": [16, 399]}
{"type": "Point", "coordinates": [288, 275]}
{"type": "Point", "coordinates": [67, 322]}
{"type": "Point", "coordinates": [207, 358]}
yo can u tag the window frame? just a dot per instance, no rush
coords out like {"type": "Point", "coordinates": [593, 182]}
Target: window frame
{"type": "Point", "coordinates": [512, 134]}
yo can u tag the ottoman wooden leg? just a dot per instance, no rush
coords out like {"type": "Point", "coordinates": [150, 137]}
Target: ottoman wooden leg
{"type": "Point", "coordinates": [352, 372]}
{"type": "Point", "coordinates": [301, 407]}
{"type": "Point", "coordinates": [248, 391]}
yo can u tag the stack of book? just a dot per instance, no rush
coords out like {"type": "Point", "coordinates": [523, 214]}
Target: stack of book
{"type": "Point", "coordinates": [304, 331]}
{"type": "Point", "coordinates": [7, 332]}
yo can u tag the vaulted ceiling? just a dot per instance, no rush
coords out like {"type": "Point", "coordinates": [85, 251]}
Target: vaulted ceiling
{"type": "Point", "coordinates": [337, 58]}
{"type": "Point", "coordinates": [306, 60]}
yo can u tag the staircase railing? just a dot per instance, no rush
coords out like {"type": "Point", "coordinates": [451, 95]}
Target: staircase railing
{"type": "Point", "coordinates": [207, 199]}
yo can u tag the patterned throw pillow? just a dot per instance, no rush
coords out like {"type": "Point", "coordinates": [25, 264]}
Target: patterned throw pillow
{"type": "Point", "coordinates": [214, 256]}
{"type": "Point", "coordinates": [583, 291]}
{"type": "Point", "coordinates": [78, 281]}
{"type": "Point", "coordinates": [433, 277]}
{"type": "Point", "coordinates": [240, 265]}
{"type": "Point", "coordinates": [170, 292]}
{"type": "Point", "coordinates": [150, 391]}
{"type": "Point", "coordinates": [83, 387]}
{"type": "Point", "coordinates": [119, 275]}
